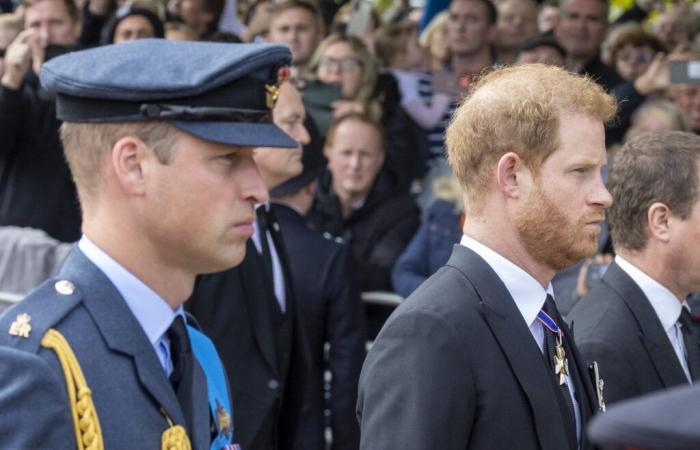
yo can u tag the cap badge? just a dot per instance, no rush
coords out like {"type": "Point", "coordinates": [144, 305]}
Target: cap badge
{"type": "Point", "coordinates": [272, 91]}
{"type": "Point", "coordinates": [20, 327]}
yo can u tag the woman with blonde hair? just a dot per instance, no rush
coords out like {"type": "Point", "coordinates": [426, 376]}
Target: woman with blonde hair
{"type": "Point", "coordinates": [434, 40]}
{"type": "Point", "coordinates": [345, 61]}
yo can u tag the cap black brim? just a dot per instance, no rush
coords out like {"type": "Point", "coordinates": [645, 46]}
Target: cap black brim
{"type": "Point", "coordinates": [240, 134]}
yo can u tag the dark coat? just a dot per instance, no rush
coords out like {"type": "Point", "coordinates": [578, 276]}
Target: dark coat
{"type": "Point", "coordinates": [328, 295]}
{"type": "Point", "coordinates": [429, 249]}
{"type": "Point", "coordinates": [129, 386]}
{"type": "Point", "coordinates": [36, 189]}
{"type": "Point", "coordinates": [405, 141]}
{"type": "Point", "coordinates": [377, 232]}
{"type": "Point", "coordinates": [456, 367]}
{"type": "Point", "coordinates": [234, 308]}
{"type": "Point", "coordinates": [602, 74]}
{"type": "Point", "coordinates": [615, 325]}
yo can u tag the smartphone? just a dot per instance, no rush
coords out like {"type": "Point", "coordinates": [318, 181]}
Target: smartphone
{"type": "Point", "coordinates": [685, 72]}
{"type": "Point", "coordinates": [360, 17]}
{"type": "Point", "coordinates": [318, 97]}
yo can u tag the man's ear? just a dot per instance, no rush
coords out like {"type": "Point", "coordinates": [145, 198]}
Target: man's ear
{"type": "Point", "coordinates": [659, 218]}
{"type": "Point", "coordinates": [128, 156]}
{"type": "Point", "coordinates": [510, 173]}
{"type": "Point", "coordinates": [310, 189]}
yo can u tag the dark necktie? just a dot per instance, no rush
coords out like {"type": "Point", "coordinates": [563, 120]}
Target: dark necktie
{"type": "Point", "coordinates": [182, 377]}
{"type": "Point", "coordinates": [691, 344]}
{"type": "Point", "coordinates": [549, 349]}
{"type": "Point", "coordinates": [263, 226]}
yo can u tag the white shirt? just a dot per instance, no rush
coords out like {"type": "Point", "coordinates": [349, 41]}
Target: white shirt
{"type": "Point", "coordinates": [277, 275]}
{"type": "Point", "coordinates": [666, 306]}
{"type": "Point", "coordinates": [151, 312]}
{"type": "Point", "coordinates": [529, 296]}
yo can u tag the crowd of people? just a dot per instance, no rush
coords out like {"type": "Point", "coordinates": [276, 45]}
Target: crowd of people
{"type": "Point", "coordinates": [373, 195]}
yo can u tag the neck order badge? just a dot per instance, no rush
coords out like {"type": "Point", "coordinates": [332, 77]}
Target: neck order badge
{"type": "Point", "coordinates": [561, 365]}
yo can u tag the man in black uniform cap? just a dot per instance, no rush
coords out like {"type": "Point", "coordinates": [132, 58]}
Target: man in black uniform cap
{"type": "Point", "coordinates": [253, 317]}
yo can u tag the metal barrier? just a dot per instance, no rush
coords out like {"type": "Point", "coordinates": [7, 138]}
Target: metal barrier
{"type": "Point", "coordinates": [378, 306]}
{"type": "Point", "coordinates": [383, 298]}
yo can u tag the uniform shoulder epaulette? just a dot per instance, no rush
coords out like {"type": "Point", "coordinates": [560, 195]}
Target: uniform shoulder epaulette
{"type": "Point", "coordinates": [23, 325]}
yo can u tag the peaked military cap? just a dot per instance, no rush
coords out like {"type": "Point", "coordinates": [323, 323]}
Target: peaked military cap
{"type": "Point", "coordinates": [217, 92]}
{"type": "Point", "coordinates": [667, 420]}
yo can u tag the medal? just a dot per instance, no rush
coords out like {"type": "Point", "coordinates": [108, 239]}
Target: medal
{"type": "Point", "coordinates": [561, 365]}
{"type": "Point", "coordinates": [223, 420]}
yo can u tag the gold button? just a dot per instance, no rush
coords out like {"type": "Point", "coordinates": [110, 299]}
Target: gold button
{"type": "Point", "coordinates": [64, 287]}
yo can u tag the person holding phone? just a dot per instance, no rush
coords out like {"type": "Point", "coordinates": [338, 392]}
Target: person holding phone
{"type": "Point", "coordinates": [344, 61]}
{"type": "Point", "coordinates": [37, 190]}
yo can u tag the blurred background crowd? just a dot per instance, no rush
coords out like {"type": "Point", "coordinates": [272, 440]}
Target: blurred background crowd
{"type": "Point", "coordinates": [379, 81]}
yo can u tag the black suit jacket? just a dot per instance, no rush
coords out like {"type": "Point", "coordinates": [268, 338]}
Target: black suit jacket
{"type": "Point", "coordinates": [234, 309]}
{"type": "Point", "coordinates": [616, 326]}
{"type": "Point", "coordinates": [456, 367]}
{"type": "Point", "coordinates": [328, 293]}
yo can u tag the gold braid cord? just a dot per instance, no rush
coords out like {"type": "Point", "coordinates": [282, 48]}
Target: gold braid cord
{"type": "Point", "coordinates": [88, 434]}
{"type": "Point", "coordinates": [175, 437]}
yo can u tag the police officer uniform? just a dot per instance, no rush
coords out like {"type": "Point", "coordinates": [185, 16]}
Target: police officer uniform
{"type": "Point", "coordinates": [86, 357]}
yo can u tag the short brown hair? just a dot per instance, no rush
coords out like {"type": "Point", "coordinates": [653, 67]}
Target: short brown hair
{"type": "Point", "coordinates": [85, 146]}
{"type": "Point", "coordinates": [71, 7]}
{"type": "Point", "coordinates": [310, 7]}
{"type": "Point", "coordinates": [491, 11]}
{"type": "Point", "coordinates": [659, 166]}
{"type": "Point", "coordinates": [516, 109]}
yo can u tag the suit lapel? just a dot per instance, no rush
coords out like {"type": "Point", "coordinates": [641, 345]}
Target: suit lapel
{"type": "Point", "coordinates": [585, 392]}
{"type": "Point", "coordinates": [652, 334]}
{"type": "Point", "coordinates": [117, 324]}
{"type": "Point", "coordinates": [518, 346]}
{"type": "Point", "coordinates": [252, 273]}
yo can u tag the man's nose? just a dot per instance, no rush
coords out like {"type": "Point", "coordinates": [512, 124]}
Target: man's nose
{"type": "Point", "coordinates": [253, 187]}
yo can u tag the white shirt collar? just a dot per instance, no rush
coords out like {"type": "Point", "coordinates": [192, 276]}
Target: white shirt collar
{"type": "Point", "coordinates": [152, 312]}
{"type": "Point", "coordinates": [666, 305]}
{"type": "Point", "coordinates": [528, 294]}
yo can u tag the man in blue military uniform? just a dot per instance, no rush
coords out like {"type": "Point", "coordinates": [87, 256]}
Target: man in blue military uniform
{"type": "Point", "coordinates": [161, 152]}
